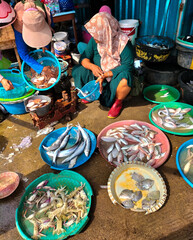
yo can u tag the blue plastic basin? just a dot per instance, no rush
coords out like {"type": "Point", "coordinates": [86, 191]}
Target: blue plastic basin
{"type": "Point", "coordinates": [91, 89]}
{"type": "Point", "coordinates": [45, 59]}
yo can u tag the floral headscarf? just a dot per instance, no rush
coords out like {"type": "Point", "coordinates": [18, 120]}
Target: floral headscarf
{"type": "Point", "coordinates": [105, 28]}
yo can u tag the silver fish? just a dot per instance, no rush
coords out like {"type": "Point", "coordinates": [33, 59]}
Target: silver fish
{"type": "Point", "coordinates": [87, 140]}
{"type": "Point", "coordinates": [127, 194]}
{"type": "Point", "coordinates": [78, 152]}
{"type": "Point", "coordinates": [108, 139]}
{"type": "Point", "coordinates": [145, 184]}
{"type": "Point", "coordinates": [137, 177]}
{"type": "Point", "coordinates": [57, 143]}
{"type": "Point", "coordinates": [128, 204]}
{"type": "Point", "coordinates": [146, 203]}
{"type": "Point", "coordinates": [137, 196]}
{"type": "Point", "coordinates": [110, 149]}
{"type": "Point", "coordinates": [154, 195]}
{"type": "Point", "coordinates": [64, 153]}
{"type": "Point", "coordinates": [72, 162]}
{"type": "Point", "coordinates": [62, 145]}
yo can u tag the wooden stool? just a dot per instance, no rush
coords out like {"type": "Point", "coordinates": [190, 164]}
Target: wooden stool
{"type": "Point", "coordinates": [7, 41]}
{"type": "Point", "coordinates": [67, 16]}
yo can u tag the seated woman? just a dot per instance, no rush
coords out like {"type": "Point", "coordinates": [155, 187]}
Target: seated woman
{"type": "Point", "coordinates": [108, 58]}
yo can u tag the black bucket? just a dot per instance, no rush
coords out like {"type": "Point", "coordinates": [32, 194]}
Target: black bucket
{"type": "Point", "coordinates": [162, 73]}
{"type": "Point", "coordinates": [186, 91]}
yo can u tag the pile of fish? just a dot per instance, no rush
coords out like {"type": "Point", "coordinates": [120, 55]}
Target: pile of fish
{"type": "Point", "coordinates": [161, 47]}
{"type": "Point", "coordinates": [48, 207]}
{"type": "Point", "coordinates": [131, 143]}
{"type": "Point", "coordinates": [188, 160]}
{"type": "Point", "coordinates": [171, 118]}
{"type": "Point", "coordinates": [131, 197]}
{"type": "Point", "coordinates": [33, 104]}
{"type": "Point", "coordinates": [45, 80]}
{"type": "Point", "coordinates": [58, 149]}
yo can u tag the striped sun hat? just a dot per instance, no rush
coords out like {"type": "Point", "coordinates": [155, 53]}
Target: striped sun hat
{"type": "Point", "coordinates": [7, 14]}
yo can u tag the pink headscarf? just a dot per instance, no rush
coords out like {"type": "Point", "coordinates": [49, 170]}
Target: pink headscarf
{"type": "Point", "coordinates": [105, 8]}
{"type": "Point", "coordinates": [105, 28]}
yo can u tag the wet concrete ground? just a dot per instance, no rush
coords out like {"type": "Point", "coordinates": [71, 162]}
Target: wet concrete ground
{"type": "Point", "coordinates": [173, 221]}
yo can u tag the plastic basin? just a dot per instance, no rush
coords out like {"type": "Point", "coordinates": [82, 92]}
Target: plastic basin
{"type": "Point", "coordinates": [91, 89]}
{"type": "Point", "coordinates": [180, 157]}
{"type": "Point", "coordinates": [45, 59]}
{"type": "Point", "coordinates": [161, 93]}
{"type": "Point", "coordinates": [41, 111]}
{"type": "Point", "coordinates": [153, 54]}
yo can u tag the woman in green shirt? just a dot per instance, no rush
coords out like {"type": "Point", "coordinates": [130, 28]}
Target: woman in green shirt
{"type": "Point", "coordinates": [108, 58]}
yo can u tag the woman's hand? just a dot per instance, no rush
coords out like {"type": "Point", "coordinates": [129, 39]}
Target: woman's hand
{"type": "Point", "coordinates": [100, 80]}
{"type": "Point", "coordinates": [96, 70]}
{"type": "Point", "coordinates": [7, 84]}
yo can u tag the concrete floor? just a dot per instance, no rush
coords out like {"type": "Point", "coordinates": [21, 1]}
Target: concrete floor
{"type": "Point", "coordinates": [173, 221]}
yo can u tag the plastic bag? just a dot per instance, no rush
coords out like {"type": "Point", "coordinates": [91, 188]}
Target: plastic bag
{"type": "Point", "coordinates": [4, 63]}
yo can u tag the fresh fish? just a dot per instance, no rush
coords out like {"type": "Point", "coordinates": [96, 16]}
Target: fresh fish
{"type": "Point", "coordinates": [78, 152]}
{"type": "Point", "coordinates": [146, 203]}
{"type": "Point", "coordinates": [120, 157]}
{"type": "Point", "coordinates": [57, 143]}
{"type": "Point", "coordinates": [87, 140]}
{"type": "Point", "coordinates": [127, 194]}
{"type": "Point", "coordinates": [137, 196]}
{"type": "Point", "coordinates": [165, 95]}
{"type": "Point", "coordinates": [137, 177]}
{"type": "Point", "coordinates": [187, 167]}
{"type": "Point", "coordinates": [118, 147]}
{"type": "Point", "coordinates": [108, 139]}
{"type": "Point", "coordinates": [115, 153]}
{"type": "Point", "coordinates": [110, 149]}
{"type": "Point", "coordinates": [130, 137]}
{"type": "Point", "coordinates": [72, 162]}
{"type": "Point", "coordinates": [110, 157]}
{"type": "Point", "coordinates": [128, 204]}
{"type": "Point", "coordinates": [145, 184]}
{"type": "Point", "coordinates": [64, 153]}
{"type": "Point", "coordinates": [136, 126]}
{"type": "Point", "coordinates": [63, 145]}
{"type": "Point", "coordinates": [154, 195]}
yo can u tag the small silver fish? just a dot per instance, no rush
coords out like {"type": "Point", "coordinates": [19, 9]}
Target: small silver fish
{"type": "Point", "coordinates": [154, 195]}
{"type": "Point", "coordinates": [128, 204]}
{"type": "Point", "coordinates": [137, 177]}
{"type": "Point", "coordinates": [145, 184]}
{"type": "Point", "coordinates": [57, 143]}
{"type": "Point", "coordinates": [137, 196]}
{"type": "Point", "coordinates": [146, 203]}
{"type": "Point", "coordinates": [127, 194]}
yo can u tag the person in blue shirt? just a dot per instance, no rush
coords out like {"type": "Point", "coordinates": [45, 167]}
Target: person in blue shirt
{"type": "Point", "coordinates": [32, 29]}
